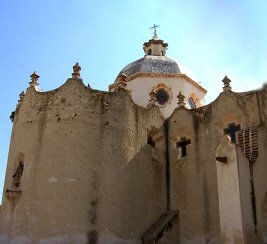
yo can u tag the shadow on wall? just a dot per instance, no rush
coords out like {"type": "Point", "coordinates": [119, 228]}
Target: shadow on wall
{"type": "Point", "coordinates": [264, 219]}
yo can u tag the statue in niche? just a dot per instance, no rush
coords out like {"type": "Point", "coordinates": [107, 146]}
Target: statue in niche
{"type": "Point", "coordinates": [17, 175]}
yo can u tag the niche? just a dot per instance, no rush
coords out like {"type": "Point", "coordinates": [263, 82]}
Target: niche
{"type": "Point", "coordinates": [18, 171]}
{"type": "Point", "coordinates": [14, 192]}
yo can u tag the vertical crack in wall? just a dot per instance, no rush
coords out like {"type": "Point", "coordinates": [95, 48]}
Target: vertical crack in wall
{"type": "Point", "coordinates": [253, 197]}
{"type": "Point", "coordinates": [167, 158]}
{"type": "Point", "coordinates": [92, 236]}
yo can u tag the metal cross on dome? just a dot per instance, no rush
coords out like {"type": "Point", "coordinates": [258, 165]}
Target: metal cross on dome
{"type": "Point", "coordinates": [154, 28]}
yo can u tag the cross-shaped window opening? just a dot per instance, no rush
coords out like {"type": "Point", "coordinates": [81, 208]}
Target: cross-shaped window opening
{"type": "Point", "coordinates": [231, 130]}
{"type": "Point", "coordinates": [182, 144]}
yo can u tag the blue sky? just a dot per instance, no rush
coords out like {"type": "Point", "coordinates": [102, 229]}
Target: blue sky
{"type": "Point", "coordinates": [212, 38]}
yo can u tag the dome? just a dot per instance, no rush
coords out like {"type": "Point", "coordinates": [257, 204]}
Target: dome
{"type": "Point", "coordinates": [156, 65]}
{"type": "Point", "coordinates": [155, 61]}
{"type": "Point", "coordinates": [152, 64]}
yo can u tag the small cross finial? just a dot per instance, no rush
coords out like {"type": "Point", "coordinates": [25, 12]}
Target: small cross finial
{"type": "Point", "coordinates": [181, 102]}
{"type": "Point", "coordinates": [34, 79]}
{"type": "Point", "coordinates": [226, 81]}
{"type": "Point", "coordinates": [154, 28]}
{"type": "Point", "coordinates": [153, 98]}
{"type": "Point", "coordinates": [76, 71]}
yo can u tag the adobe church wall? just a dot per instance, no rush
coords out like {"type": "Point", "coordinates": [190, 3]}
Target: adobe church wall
{"type": "Point", "coordinates": [260, 179]}
{"type": "Point", "coordinates": [260, 182]}
{"type": "Point", "coordinates": [194, 190]}
{"type": "Point", "coordinates": [88, 171]}
{"type": "Point", "coordinates": [254, 220]}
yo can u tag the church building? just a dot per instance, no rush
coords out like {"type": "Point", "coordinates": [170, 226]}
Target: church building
{"type": "Point", "coordinates": [146, 162]}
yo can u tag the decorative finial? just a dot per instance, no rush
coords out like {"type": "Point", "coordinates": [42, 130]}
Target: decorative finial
{"type": "Point", "coordinates": [21, 96]}
{"type": "Point", "coordinates": [226, 81]}
{"type": "Point", "coordinates": [153, 98]}
{"type": "Point", "coordinates": [122, 76]}
{"type": "Point", "coordinates": [122, 84]}
{"type": "Point", "coordinates": [122, 80]}
{"type": "Point", "coordinates": [34, 79]}
{"type": "Point", "coordinates": [154, 28]}
{"type": "Point", "coordinates": [181, 102]}
{"type": "Point", "coordinates": [76, 71]}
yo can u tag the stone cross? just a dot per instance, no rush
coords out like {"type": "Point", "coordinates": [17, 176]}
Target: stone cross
{"type": "Point", "coordinates": [181, 102]}
{"type": "Point", "coordinates": [154, 28]}
{"type": "Point", "coordinates": [226, 81]}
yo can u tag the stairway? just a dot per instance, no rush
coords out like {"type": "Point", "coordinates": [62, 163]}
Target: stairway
{"type": "Point", "coordinates": [164, 223]}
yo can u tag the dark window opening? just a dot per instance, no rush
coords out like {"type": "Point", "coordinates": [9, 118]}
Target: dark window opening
{"type": "Point", "coordinates": [192, 103]}
{"type": "Point", "coordinates": [150, 141]}
{"type": "Point", "coordinates": [162, 96]}
{"type": "Point", "coordinates": [149, 52]}
{"type": "Point", "coordinates": [231, 130]}
{"type": "Point", "coordinates": [182, 144]}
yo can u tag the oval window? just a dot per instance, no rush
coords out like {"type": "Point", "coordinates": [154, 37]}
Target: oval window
{"type": "Point", "coordinates": [162, 96]}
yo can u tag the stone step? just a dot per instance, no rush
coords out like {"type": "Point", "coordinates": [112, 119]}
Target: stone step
{"type": "Point", "coordinates": [163, 223]}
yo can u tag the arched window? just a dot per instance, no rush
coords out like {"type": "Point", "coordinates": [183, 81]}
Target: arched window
{"type": "Point", "coordinates": [191, 103]}
{"type": "Point", "coordinates": [149, 52]}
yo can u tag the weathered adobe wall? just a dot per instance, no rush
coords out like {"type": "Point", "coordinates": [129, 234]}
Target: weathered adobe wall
{"type": "Point", "coordinates": [260, 183]}
{"type": "Point", "coordinates": [88, 172]}
{"type": "Point", "coordinates": [254, 221]}
{"type": "Point", "coordinates": [193, 178]}
{"type": "Point", "coordinates": [260, 168]}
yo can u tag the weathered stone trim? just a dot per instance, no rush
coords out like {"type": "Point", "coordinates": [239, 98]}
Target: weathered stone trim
{"type": "Point", "coordinates": [151, 75]}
